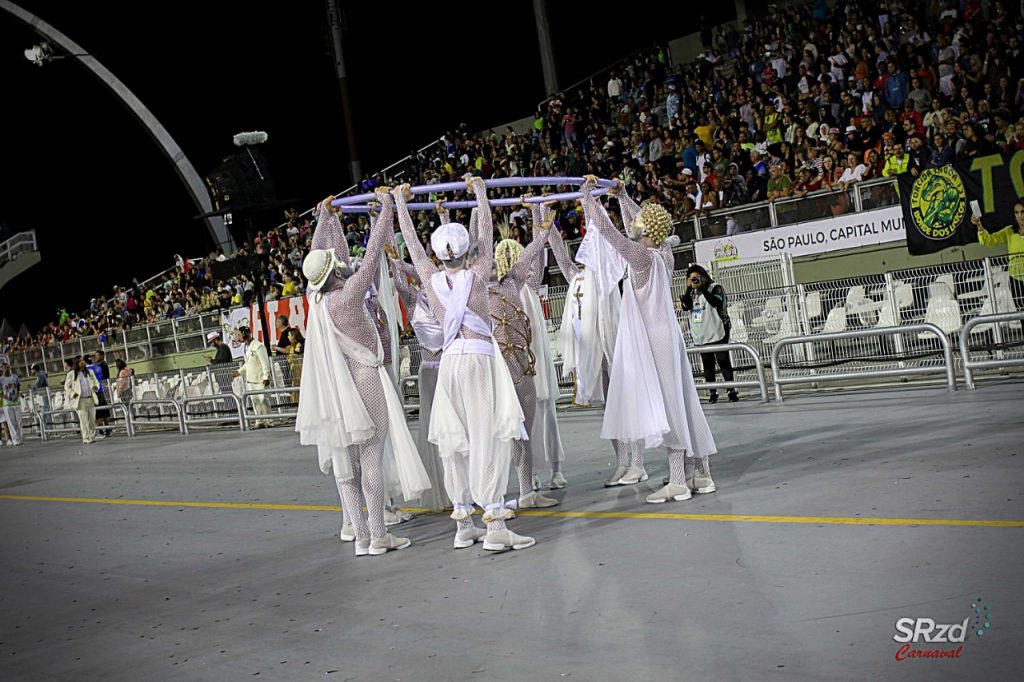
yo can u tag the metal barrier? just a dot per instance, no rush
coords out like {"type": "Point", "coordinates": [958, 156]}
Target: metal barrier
{"type": "Point", "coordinates": [271, 416]}
{"type": "Point", "coordinates": [157, 402]}
{"type": "Point", "coordinates": [726, 347]}
{"type": "Point", "coordinates": [36, 419]}
{"type": "Point", "coordinates": [965, 335]}
{"type": "Point", "coordinates": [947, 352]}
{"type": "Point", "coordinates": [128, 426]}
{"type": "Point", "coordinates": [53, 428]}
{"type": "Point", "coordinates": [211, 420]}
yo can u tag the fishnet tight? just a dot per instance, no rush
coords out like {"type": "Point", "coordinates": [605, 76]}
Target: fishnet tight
{"type": "Point", "coordinates": [366, 459]}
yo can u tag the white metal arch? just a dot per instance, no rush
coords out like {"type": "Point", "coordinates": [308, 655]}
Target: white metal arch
{"type": "Point", "coordinates": [182, 165]}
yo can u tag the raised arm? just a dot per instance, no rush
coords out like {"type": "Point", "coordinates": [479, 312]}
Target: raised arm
{"type": "Point", "coordinates": [485, 246]}
{"type": "Point", "coordinates": [329, 233]}
{"type": "Point", "coordinates": [539, 213]}
{"type": "Point", "coordinates": [402, 286]}
{"type": "Point", "coordinates": [638, 257]}
{"type": "Point", "coordinates": [521, 270]}
{"type": "Point", "coordinates": [425, 267]}
{"type": "Point", "coordinates": [629, 209]}
{"type": "Point", "coordinates": [407, 269]}
{"type": "Point", "coordinates": [565, 264]}
{"type": "Point", "coordinates": [474, 228]}
{"type": "Point", "coordinates": [359, 283]}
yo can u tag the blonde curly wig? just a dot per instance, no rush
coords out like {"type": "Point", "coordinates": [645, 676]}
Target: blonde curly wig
{"type": "Point", "coordinates": [656, 222]}
{"type": "Point", "coordinates": [506, 255]}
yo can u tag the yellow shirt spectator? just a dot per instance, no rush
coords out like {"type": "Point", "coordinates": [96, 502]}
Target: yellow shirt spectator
{"type": "Point", "coordinates": [1013, 237]}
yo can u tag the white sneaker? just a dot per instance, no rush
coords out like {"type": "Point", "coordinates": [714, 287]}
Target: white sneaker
{"type": "Point", "coordinates": [469, 537]}
{"type": "Point", "coordinates": [670, 492]}
{"type": "Point", "coordinates": [387, 543]}
{"type": "Point", "coordinates": [347, 533]}
{"type": "Point", "coordinates": [558, 481]}
{"type": "Point", "coordinates": [394, 516]}
{"type": "Point", "coordinates": [500, 540]}
{"type": "Point", "coordinates": [701, 481]}
{"type": "Point", "coordinates": [536, 501]}
{"type": "Point", "coordinates": [363, 546]}
{"type": "Point", "coordinates": [633, 476]}
{"type": "Point", "coordinates": [615, 477]}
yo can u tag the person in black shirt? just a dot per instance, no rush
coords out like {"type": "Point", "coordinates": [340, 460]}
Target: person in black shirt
{"type": "Point", "coordinates": [223, 355]}
{"type": "Point", "coordinates": [283, 339]}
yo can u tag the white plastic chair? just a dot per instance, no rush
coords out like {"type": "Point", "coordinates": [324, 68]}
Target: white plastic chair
{"type": "Point", "coordinates": [836, 321]}
{"type": "Point", "coordinates": [812, 304]}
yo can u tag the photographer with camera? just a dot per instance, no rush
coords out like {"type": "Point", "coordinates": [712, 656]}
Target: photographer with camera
{"type": "Point", "coordinates": [709, 324]}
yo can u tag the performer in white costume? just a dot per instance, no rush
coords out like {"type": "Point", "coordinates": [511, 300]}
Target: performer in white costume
{"type": "Point", "coordinates": [545, 439]}
{"type": "Point", "coordinates": [652, 396]}
{"type": "Point", "coordinates": [475, 412]}
{"type": "Point", "coordinates": [348, 406]}
{"type": "Point", "coordinates": [590, 322]}
{"type": "Point", "coordinates": [513, 331]}
{"type": "Point", "coordinates": [431, 338]}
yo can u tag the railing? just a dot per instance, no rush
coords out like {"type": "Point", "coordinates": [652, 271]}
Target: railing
{"type": "Point", "coordinates": [763, 215]}
{"type": "Point", "coordinates": [23, 242]}
{"type": "Point", "coordinates": [993, 322]}
{"type": "Point", "coordinates": [158, 403]}
{"type": "Point", "coordinates": [188, 420]}
{"type": "Point", "coordinates": [947, 367]}
{"type": "Point", "coordinates": [727, 347]}
{"type": "Point", "coordinates": [248, 396]}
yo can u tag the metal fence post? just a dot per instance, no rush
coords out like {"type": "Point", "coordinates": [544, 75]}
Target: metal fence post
{"type": "Point", "coordinates": [990, 291]}
{"type": "Point", "coordinates": [894, 309]}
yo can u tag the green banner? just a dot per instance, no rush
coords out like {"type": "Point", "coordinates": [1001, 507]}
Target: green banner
{"type": "Point", "coordinates": [937, 204]}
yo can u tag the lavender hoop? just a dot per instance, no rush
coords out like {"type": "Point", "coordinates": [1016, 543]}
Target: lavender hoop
{"type": "Point", "coordinates": [356, 204]}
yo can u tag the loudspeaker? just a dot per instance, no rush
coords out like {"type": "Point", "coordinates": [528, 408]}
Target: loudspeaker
{"type": "Point", "coordinates": [237, 181]}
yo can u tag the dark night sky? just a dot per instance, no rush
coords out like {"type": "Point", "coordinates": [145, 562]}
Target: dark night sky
{"type": "Point", "coordinates": [108, 206]}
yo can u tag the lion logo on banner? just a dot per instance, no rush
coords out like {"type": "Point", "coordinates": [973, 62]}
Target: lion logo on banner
{"type": "Point", "coordinates": [938, 202]}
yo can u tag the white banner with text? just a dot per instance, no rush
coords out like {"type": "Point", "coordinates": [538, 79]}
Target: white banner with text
{"type": "Point", "coordinates": [819, 236]}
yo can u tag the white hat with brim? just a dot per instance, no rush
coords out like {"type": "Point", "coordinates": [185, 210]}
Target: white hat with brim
{"type": "Point", "coordinates": [318, 266]}
{"type": "Point", "coordinates": [211, 336]}
{"type": "Point", "coordinates": [450, 241]}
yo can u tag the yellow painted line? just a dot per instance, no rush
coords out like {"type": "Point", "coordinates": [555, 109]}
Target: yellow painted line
{"type": "Point", "coordinates": [671, 516]}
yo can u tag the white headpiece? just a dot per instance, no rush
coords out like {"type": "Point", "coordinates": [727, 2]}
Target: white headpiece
{"type": "Point", "coordinates": [450, 241]}
{"type": "Point", "coordinates": [317, 266]}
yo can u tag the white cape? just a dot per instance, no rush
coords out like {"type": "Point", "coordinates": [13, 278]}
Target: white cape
{"type": "Point", "coordinates": [331, 414]}
{"type": "Point", "coordinates": [654, 399]}
{"type": "Point", "coordinates": [545, 440]}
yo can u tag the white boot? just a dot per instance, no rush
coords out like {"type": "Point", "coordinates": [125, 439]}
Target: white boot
{"type": "Point", "coordinates": [469, 536]}
{"type": "Point", "coordinates": [670, 492]}
{"type": "Point", "coordinates": [500, 540]}
{"type": "Point", "coordinates": [634, 475]}
{"type": "Point", "coordinates": [698, 475]}
{"type": "Point", "coordinates": [615, 477]}
{"type": "Point", "coordinates": [387, 543]}
{"type": "Point", "coordinates": [536, 501]}
{"type": "Point", "coordinates": [394, 516]}
{"type": "Point", "coordinates": [362, 546]}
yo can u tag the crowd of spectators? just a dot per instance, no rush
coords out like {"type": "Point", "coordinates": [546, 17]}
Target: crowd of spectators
{"type": "Point", "coordinates": [801, 100]}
